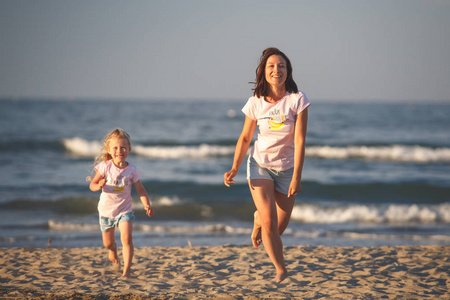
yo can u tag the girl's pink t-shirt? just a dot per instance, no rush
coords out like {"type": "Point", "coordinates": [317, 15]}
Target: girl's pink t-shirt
{"type": "Point", "coordinates": [274, 147]}
{"type": "Point", "coordinates": [115, 198]}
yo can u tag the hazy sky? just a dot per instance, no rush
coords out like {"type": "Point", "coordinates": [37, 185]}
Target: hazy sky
{"type": "Point", "coordinates": [198, 49]}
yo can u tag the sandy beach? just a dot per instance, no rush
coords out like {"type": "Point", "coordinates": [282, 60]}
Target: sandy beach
{"type": "Point", "coordinates": [228, 272]}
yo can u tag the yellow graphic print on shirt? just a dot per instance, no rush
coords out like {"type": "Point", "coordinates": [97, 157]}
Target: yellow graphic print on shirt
{"type": "Point", "coordinates": [119, 185]}
{"type": "Point", "coordinates": [279, 122]}
{"type": "Point", "coordinates": [118, 189]}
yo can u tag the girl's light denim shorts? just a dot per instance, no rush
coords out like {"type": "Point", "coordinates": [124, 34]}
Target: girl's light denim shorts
{"type": "Point", "coordinates": [281, 179]}
{"type": "Point", "coordinates": [108, 223]}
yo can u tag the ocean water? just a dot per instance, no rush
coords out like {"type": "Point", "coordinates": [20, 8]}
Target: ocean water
{"type": "Point", "coordinates": [375, 173]}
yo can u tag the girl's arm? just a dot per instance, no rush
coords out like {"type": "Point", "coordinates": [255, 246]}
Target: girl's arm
{"type": "Point", "coordinates": [97, 183]}
{"type": "Point", "coordinates": [299, 154]}
{"type": "Point", "coordinates": [144, 197]}
{"type": "Point", "coordinates": [241, 149]}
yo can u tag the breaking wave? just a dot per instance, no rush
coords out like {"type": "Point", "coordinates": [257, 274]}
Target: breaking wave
{"type": "Point", "coordinates": [389, 214]}
{"type": "Point", "coordinates": [399, 153]}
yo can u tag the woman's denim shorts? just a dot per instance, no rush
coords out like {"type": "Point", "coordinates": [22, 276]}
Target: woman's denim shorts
{"type": "Point", "coordinates": [281, 179]}
{"type": "Point", "coordinates": [108, 223]}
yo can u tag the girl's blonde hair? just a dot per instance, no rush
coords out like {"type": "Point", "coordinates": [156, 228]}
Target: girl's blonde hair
{"type": "Point", "coordinates": [104, 155]}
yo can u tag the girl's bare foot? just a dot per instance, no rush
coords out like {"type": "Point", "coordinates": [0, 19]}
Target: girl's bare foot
{"type": "Point", "coordinates": [256, 234]}
{"type": "Point", "coordinates": [114, 259]}
{"type": "Point", "coordinates": [115, 267]}
{"type": "Point", "coordinates": [113, 255]}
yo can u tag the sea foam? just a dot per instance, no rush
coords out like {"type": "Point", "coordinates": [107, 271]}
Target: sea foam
{"type": "Point", "coordinates": [392, 214]}
{"type": "Point", "coordinates": [398, 153]}
{"type": "Point", "coordinates": [82, 147]}
{"type": "Point", "coordinates": [175, 152]}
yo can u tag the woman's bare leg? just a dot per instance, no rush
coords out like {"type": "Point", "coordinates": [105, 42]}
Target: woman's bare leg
{"type": "Point", "coordinates": [284, 210]}
{"type": "Point", "coordinates": [256, 233]}
{"type": "Point", "coordinates": [264, 197]}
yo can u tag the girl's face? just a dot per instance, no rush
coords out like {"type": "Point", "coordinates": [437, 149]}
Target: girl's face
{"type": "Point", "coordinates": [276, 70]}
{"type": "Point", "coordinates": [118, 149]}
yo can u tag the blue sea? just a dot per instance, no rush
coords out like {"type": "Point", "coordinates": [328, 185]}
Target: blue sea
{"type": "Point", "coordinates": [375, 173]}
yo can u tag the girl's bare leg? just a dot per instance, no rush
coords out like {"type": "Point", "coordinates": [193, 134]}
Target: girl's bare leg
{"type": "Point", "coordinates": [109, 242]}
{"type": "Point", "coordinates": [126, 230]}
{"type": "Point", "coordinates": [264, 197]}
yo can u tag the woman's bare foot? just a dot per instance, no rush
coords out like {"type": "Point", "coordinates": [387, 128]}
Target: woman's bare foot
{"type": "Point", "coordinates": [256, 234]}
{"type": "Point", "coordinates": [126, 274]}
{"type": "Point", "coordinates": [280, 277]}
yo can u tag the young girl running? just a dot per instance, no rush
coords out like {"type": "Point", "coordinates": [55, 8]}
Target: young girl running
{"type": "Point", "coordinates": [114, 176]}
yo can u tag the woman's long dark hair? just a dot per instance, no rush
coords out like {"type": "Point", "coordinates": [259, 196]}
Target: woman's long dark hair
{"type": "Point", "coordinates": [261, 85]}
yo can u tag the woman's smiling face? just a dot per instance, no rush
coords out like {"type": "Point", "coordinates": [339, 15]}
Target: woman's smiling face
{"type": "Point", "coordinates": [276, 70]}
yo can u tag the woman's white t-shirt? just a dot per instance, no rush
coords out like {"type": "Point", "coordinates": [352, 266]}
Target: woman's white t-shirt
{"type": "Point", "coordinates": [274, 147]}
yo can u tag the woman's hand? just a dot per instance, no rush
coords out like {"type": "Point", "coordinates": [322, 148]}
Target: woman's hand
{"type": "Point", "coordinates": [228, 177]}
{"type": "Point", "coordinates": [241, 150]}
{"type": "Point", "coordinates": [294, 188]}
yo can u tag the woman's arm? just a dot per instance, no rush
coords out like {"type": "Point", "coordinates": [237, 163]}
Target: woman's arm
{"type": "Point", "coordinates": [299, 154]}
{"type": "Point", "coordinates": [241, 149]}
